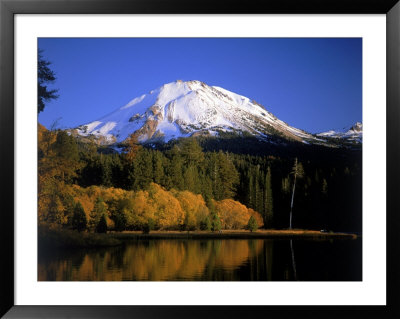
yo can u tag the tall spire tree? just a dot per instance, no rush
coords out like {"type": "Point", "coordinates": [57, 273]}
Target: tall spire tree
{"type": "Point", "coordinates": [268, 202]}
{"type": "Point", "coordinates": [298, 172]}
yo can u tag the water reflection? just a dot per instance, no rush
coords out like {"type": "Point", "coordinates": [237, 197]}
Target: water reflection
{"type": "Point", "coordinates": [221, 260]}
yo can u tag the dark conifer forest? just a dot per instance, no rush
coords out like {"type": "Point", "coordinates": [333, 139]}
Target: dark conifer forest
{"type": "Point", "coordinates": [197, 183]}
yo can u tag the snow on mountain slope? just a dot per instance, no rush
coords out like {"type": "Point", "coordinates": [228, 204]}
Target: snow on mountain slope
{"type": "Point", "coordinates": [354, 133]}
{"type": "Point", "coordinates": [181, 109]}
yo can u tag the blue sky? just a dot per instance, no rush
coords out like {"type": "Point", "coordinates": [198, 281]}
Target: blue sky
{"type": "Point", "coordinates": [310, 83]}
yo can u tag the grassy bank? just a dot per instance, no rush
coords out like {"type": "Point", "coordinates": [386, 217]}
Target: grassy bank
{"type": "Point", "coordinates": [69, 238]}
{"type": "Point", "coordinates": [232, 234]}
{"type": "Point", "coordinates": [74, 239]}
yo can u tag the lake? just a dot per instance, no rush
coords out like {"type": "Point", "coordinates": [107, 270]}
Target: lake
{"type": "Point", "coordinates": [208, 260]}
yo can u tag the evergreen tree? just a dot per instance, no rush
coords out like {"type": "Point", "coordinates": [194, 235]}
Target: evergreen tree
{"type": "Point", "coordinates": [223, 175]}
{"type": "Point", "coordinates": [65, 146]}
{"type": "Point", "coordinates": [142, 169]}
{"type": "Point", "coordinates": [298, 172]}
{"type": "Point", "coordinates": [252, 224]}
{"type": "Point", "coordinates": [79, 220]}
{"type": "Point", "coordinates": [56, 211]}
{"type": "Point", "coordinates": [149, 226]}
{"type": "Point", "coordinates": [324, 187]}
{"type": "Point", "coordinates": [120, 221]}
{"type": "Point", "coordinates": [268, 201]}
{"type": "Point", "coordinates": [69, 206]}
{"type": "Point", "coordinates": [216, 224]}
{"type": "Point", "coordinates": [45, 76]}
{"type": "Point", "coordinates": [205, 224]}
{"type": "Point", "coordinates": [102, 225]}
{"type": "Point", "coordinates": [64, 161]}
{"type": "Point", "coordinates": [191, 179]}
{"type": "Point", "coordinates": [175, 169]}
{"type": "Point", "coordinates": [191, 152]}
{"type": "Point", "coordinates": [98, 211]}
{"type": "Point", "coordinates": [158, 169]}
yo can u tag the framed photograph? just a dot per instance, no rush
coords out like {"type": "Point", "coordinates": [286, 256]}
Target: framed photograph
{"type": "Point", "coordinates": [162, 159]}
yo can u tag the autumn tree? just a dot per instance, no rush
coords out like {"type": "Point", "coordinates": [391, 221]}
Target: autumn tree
{"type": "Point", "coordinates": [131, 147]}
{"type": "Point", "coordinates": [194, 207]}
{"type": "Point", "coordinates": [45, 77]}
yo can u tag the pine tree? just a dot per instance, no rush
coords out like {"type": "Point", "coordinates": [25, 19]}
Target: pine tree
{"type": "Point", "coordinates": [64, 159]}
{"type": "Point", "coordinates": [149, 226]}
{"type": "Point", "coordinates": [268, 201]}
{"type": "Point", "coordinates": [215, 223]}
{"type": "Point", "coordinates": [102, 225]}
{"type": "Point", "coordinates": [205, 224]}
{"type": "Point", "coordinates": [158, 169]}
{"type": "Point", "coordinates": [191, 152]}
{"type": "Point", "coordinates": [98, 211]}
{"type": "Point", "coordinates": [45, 76]}
{"type": "Point", "coordinates": [191, 179]}
{"type": "Point", "coordinates": [252, 224]}
{"type": "Point", "coordinates": [56, 211]}
{"type": "Point", "coordinates": [175, 168]}
{"type": "Point", "coordinates": [226, 176]}
{"type": "Point", "coordinates": [79, 220]}
{"type": "Point", "coordinates": [298, 172]}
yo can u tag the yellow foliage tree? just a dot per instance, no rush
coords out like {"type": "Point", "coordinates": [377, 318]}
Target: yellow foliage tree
{"type": "Point", "coordinates": [194, 207]}
{"type": "Point", "coordinates": [169, 213]}
{"type": "Point", "coordinates": [235, 215]}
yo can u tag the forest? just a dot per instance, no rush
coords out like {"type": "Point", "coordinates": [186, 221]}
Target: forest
{"type": "Point", "coordinates": [195, 184]}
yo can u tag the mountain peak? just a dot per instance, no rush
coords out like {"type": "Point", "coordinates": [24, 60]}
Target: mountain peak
{"type": "Point", "coordinates": [356, 127]}
{"type": "Point", "coordinates": [184, 108]}
{"type": "Point", "coordinates": [352, 134]}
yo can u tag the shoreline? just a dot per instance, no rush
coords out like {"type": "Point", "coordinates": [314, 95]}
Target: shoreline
{"type": "Point", "coordinates": [234, 234]}
{"type": "Point", "coordinates": [73, 239]}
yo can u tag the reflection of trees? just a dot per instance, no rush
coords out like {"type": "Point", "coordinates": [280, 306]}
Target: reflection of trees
{"type": "Point", "coordinates": [156, 260]}
{"type": "Point", "coordinates": [60, 266]}
{"type": "Point", "coordinates": [268, 253]}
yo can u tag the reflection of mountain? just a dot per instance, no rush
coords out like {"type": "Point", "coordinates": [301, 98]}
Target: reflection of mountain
{"type": "Point", "coordinates": [156, 260]}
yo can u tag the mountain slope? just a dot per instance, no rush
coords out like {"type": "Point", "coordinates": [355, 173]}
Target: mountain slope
{"type": "Point", "coordinates": [181, 109]}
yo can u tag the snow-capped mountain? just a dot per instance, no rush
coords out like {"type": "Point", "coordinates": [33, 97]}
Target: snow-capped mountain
{"type": "Point", "coordinates": [354, 133]}
{"type": "Point", "coordinates": [182, 109]}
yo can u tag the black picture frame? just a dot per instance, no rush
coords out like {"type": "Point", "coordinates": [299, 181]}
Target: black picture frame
{"type": "Point", "coordinates": [8, 8]}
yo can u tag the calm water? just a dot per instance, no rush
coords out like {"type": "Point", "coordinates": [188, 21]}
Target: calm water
{"type": "Point", "coordinates": [226, 259]}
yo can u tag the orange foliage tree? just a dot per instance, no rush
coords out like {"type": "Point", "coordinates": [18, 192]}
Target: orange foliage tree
{"type": "Point", "coordinates": [194, 207]}
{"type": "Point", "coordinates": [234, 215]}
